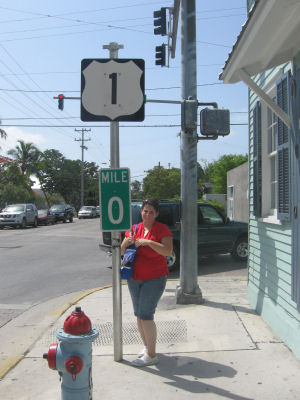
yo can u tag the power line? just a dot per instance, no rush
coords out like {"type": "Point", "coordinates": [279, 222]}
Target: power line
{"type": "Point", "coordinates": [66, 118]}
{"type": "Point", "coordinates": [25, 94]}
{"type": "Point", "coordinates": [78, 72]}
{"type": "Point", "coordinates": [78, 91]}
{"type": "Point", "coordinates": [99, 126]}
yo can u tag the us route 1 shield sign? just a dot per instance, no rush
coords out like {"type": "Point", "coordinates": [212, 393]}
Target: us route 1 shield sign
{"type": "Point", "coordinates": [112, 89]}
{"type": "Point", "coordinates": [115, 199]}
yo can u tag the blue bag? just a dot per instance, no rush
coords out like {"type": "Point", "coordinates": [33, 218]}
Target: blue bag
{"type": "Point", "coordinates": [128, 261]}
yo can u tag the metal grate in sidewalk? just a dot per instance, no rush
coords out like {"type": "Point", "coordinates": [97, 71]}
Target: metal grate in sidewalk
{"type": "Point", "coordinates": [167, 332]}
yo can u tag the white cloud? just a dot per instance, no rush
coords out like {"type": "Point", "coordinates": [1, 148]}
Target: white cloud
{"type": "Point", "coordinates": [14, 134]}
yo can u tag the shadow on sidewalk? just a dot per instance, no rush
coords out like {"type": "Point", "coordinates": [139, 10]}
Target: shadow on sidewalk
{"type": "Point", "coordinates": [184, 373]}
{"type": "Point", "coordinates": [229, 307]}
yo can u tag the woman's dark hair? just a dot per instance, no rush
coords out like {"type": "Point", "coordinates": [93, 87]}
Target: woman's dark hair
{"type": "Point", "coordinates": [151, 202]}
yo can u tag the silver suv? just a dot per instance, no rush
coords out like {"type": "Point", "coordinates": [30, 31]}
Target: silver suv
{"type": "Point", "coordinates": [19, 215]}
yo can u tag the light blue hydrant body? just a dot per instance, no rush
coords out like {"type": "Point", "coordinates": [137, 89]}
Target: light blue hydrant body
{"type": "Point", "coordinates": [72, 357]}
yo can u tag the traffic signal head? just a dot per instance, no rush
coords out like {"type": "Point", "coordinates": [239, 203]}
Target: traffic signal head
{"type": "Point", "coordinates": [160, 21]}
{"type": "Point", "coordinates": [61, 101]}
{"type": "Point", "coordinates": [160, 55]}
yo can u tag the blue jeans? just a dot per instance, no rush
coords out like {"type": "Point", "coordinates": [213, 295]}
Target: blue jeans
{"type": "Point", "coordinates": [145, 296]}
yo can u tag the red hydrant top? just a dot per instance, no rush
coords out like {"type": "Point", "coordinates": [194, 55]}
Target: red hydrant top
{"type": "Point", "coordinates": [77, 323]}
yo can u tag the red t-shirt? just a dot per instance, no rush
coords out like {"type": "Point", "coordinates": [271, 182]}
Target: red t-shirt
{"type": "Point", "coordinates": [148, 264]}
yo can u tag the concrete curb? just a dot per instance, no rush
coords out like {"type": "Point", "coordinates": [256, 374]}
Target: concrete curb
{"type": "Point", "coordinates": [12, 361]}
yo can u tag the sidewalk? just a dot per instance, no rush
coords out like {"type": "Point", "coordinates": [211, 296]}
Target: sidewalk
{"type": "Point", "coordinates": [218, 350]}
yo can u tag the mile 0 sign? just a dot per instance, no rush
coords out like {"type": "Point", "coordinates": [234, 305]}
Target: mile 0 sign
{"type": "Point", "coordinates": [112, 89]}
{"type": "Point", "coordinates": [115, 209]}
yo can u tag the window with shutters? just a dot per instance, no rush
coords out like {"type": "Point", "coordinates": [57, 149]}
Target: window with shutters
{"type": "Point", "coordinates": [271, 191]}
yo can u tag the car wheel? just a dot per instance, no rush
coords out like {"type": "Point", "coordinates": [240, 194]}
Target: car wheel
{"type": "Point", "coordinates": [64, 220]}
{"type": "Point", "coordinates": [240, 250]}
{"type": "Point", "coordinates": [24, 223]}
{"type": "Point", "coordinates": [174, 259]}
{"type": "Point", "coordinates": [35, 223]}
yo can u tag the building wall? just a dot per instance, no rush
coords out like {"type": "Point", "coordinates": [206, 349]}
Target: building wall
{"type": "Point", "coordinates": [237, 184]}
{"type": "Point", "coordinates": [269, 261]}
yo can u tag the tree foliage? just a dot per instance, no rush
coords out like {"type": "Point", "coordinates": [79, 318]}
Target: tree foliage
{"type": "Point", "coordinates": [136, 190]}
{"type": "Point", "coordinates": [162, 183]}
{"type": "Point", "coordinates": [59, 177]}
{"type": "Point", "coordinates": [216, 172]}
{"type": "Point", "coordinates": [14, 186]}
{"type": "Point", "coordinates": [26, 156]}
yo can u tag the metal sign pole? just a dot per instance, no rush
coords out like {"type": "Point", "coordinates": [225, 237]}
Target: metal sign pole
{"type": "Point", "coordinates": [115, 235]}
{"type": "Point", "coordinates": [188, 291]}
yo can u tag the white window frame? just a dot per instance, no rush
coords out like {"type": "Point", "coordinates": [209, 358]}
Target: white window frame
{"type": "Point", "coordinates": [269, 158]}
{"type": "Point", "coordinates": [230, 199]}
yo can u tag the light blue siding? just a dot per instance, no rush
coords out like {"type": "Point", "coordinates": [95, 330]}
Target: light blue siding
{"type": "Point", "coordinates": [270, 256]}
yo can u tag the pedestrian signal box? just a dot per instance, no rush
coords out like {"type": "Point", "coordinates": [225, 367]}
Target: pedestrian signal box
{"type": "Point", "coordinates": [214, 121]}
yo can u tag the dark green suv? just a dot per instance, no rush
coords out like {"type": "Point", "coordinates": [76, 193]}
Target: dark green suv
{"type": "Point", "coordinates": [62, 212]}
{"type": "Point", "coordinates": [216, 233]}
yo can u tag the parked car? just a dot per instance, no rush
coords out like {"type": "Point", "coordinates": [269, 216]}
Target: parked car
{"type": "Point", "coordinates": [19, 215]}
{"type": "Point", "coordinates": [87, 212]}
{"type": "Point", "coordinates": [45, 217]}
{"type": "Point", "coordinates": [217, 234]}
{"type": "Point", "coordinates": [62, 212]}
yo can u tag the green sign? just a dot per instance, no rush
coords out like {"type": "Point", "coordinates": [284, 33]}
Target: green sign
{"type": "Point", "coordinates": [115, 214]}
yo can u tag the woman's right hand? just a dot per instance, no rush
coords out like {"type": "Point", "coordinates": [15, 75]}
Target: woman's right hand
{"type": "Point", "coordinates": [129, 241]}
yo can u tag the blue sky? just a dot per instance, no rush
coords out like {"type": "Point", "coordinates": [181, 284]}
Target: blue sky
{"type": "Point", "coordinates": [41, 48]}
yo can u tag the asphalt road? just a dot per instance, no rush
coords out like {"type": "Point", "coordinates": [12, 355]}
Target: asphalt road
{"type": "Point", "coordinates": [52, 262]}
{"type": "Point", "coordinates": [39, 264]}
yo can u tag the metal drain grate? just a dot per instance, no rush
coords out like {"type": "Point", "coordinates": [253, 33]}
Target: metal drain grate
{"type": "Point", "coordinates": [167, 332]}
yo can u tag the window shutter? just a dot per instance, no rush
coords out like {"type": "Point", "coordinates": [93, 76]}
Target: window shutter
{"type": "Point", "coordinates": [283, 151]}
{"type": "Point", "coordinates": [295, 187]}
{"type": "Point", "coordinates": [257, 159]}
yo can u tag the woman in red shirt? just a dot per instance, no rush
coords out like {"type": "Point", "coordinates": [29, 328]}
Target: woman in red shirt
{"type": "Point", "coordinates": [154, 242]}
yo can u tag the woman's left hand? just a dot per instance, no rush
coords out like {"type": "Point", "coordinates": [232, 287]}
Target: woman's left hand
{"type": "Point", "coordinates": [141, 242]}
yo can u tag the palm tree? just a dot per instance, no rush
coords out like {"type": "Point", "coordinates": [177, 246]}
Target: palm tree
{"type": "Point", "coordinates": [26, 156]}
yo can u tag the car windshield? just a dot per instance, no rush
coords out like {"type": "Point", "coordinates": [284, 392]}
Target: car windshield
{"type": "Point", "coordinates": [86, 208]}
{"type": "Point", "coordinates": [57, 208]}
{"type": "Point", "coordinates": [15, 208]}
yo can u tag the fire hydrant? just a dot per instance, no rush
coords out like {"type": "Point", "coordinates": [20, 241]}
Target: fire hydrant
{"type": "Point", "coordinates": [72, 356]}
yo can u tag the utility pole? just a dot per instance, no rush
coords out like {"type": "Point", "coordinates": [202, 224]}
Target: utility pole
{"type": "Point", "coordinates": [188, 291]}
{"type": "Point", "coordinates": [115, 235]}
{"type": "Point", "coordinates": [83, 147]}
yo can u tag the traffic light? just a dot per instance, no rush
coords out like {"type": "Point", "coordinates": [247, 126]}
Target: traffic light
{"type": "Point", "coordinates": [61, 101]}
{"type": "Point", "coordinates": [160, 20]}
{"type": "Point", "coordinates": [160, 55]}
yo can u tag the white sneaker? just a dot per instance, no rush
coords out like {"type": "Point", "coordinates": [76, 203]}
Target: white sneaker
{"type": "Point", "coordinates": [144, 361]}
{"type": "Point", "coordinates": [142, 352]}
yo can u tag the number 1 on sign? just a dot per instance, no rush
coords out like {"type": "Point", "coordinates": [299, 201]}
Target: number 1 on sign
{"type": "Point", "coordinates": [113, 78]}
